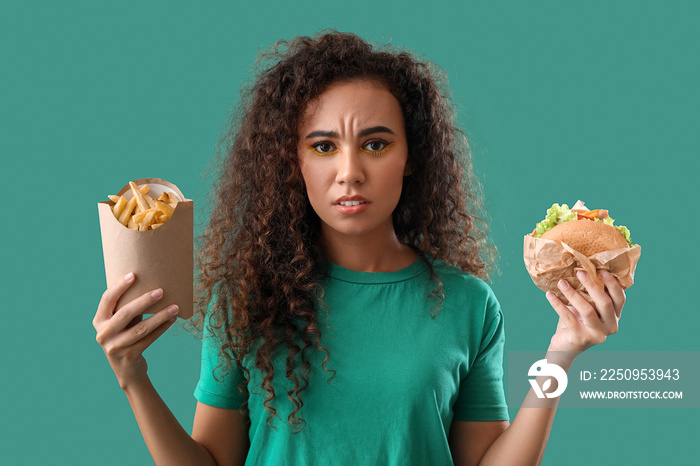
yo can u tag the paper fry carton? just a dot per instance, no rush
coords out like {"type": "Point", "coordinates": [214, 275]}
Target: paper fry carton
{"type": "Point", "coordinates": [160, 258]}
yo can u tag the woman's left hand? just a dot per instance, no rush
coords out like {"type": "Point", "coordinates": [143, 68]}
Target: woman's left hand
{"type": "Point", "coordinates": [583, 324]}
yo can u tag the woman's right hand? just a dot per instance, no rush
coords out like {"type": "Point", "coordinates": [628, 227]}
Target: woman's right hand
{"type": "Point", "coordinates": [124, 335]}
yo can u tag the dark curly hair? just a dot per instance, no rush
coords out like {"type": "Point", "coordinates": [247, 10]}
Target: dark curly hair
{"type": "Point", "coordinates": [259, 262]}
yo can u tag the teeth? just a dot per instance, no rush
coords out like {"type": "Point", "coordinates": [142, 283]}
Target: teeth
{"type": "Point", "coordinates": [350, 203]}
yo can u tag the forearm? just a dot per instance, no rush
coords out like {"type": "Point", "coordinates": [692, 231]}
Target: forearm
{"type": "Point", "coordinates": [166, 440]}
{"type": "Point", "coordinates": [525, 440]}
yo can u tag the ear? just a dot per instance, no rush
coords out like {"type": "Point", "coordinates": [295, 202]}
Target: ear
{"type": "Point", "coordinates": [408, 169]}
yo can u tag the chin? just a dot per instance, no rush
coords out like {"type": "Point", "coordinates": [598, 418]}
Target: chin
{"type": "Point", "coordinates": [350, 227]}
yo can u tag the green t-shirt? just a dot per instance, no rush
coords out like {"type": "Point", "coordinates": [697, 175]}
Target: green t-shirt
{"type": "Point", "coordinates": [401, 376]}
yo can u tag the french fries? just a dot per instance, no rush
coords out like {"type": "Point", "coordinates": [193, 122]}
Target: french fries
{"type": "Point", "coordinates": [142, 212]}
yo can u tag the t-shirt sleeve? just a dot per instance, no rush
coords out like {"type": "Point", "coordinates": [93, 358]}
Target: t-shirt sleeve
{"type": "Point", "coordinates": [218, 383]}
{"type": "Point", "coordinates": [481, 395]}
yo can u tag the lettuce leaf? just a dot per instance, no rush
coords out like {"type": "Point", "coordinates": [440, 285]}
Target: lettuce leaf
{"type": "Point", "coordinates": [555, 215]}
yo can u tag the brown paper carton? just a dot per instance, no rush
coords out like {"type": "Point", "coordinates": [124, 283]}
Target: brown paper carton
{"type": "Point", "coordinates": [548, 261]}
{"type": "Point", "coordinates": [160, 258]}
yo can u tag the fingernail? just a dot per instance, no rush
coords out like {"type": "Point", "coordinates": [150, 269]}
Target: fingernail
{"type": "Point", "coordinates": [172, 310]}
{"type": "Point", "coordinates": [129, 277]}
{"type": "Point", "coordinates": [157, 293]}
{"type": "Point", "coordinates": [563, 284]}
{"type": "Point", "coordinates": [549, 295]}
{"type": "Point", "coordinates": [606, 275]}
{"type": "Point", "coordinates": [582, 275]}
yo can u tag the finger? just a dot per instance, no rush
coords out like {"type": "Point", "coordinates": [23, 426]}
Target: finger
{"type": "Point", "coordinates": [615, 290]}
{"type": "Point", "coordinates": [575, 313]}
{"type": "Point", "coordinates": [148, 340]}
{"type": "Point", "coordinates": [585, 309]}
{"type": "Point", "coordinates": [109, 299]}
{"type": "Point", "coordinates": [567, 316]}
{"type": "Point", "coordinates": [145, 327]}
{"type": "Point", "coordinates": [134, 321]}
{"type": "Point", "coordinates": [560, 324]}
{"type": "Point", "coordinates": [603, 302]}
{"type": "Point", "coordinates": [572, 309]}
{"type": "Point", "coordinates": [126, 314]}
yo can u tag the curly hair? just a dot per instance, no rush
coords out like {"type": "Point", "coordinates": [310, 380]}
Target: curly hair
{"type": "Point", "coordinates": [260, 264]}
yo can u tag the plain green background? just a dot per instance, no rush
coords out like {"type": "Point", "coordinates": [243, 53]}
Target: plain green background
{"type": "Point", "coordinates": [593, 100]}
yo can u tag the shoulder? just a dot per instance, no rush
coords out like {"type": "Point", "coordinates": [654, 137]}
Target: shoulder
{"type": "Point", "coordinates": [464, 291]}
{"type": "Point", "coordinates": [455, 279]}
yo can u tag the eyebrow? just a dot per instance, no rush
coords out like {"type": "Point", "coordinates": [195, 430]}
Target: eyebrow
{"type": "Point", "coordinates": [364, 132]}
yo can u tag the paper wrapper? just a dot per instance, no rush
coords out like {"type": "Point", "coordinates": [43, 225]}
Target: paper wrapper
{"type": "Point", "coordinates": [160, 258]}
{"type": "Point", "coordinates": [548, 261]}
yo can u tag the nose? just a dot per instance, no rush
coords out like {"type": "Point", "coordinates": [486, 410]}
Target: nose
{"type": "Point", "coordinates": [350, 168]}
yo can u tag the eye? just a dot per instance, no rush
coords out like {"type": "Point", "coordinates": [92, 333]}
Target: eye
{"type": "Point", "coordinates": [377, 146]}
{"type": "Point", "coordinates": [323, 148]}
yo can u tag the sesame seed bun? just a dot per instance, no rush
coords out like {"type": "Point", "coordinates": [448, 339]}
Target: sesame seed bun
{"type": "Point", "coordinates": [587, 236]}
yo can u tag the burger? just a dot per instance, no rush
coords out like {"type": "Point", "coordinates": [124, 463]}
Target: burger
{"type": "Point", "coordinates": [569, 240]}
{"type": "Point", "coordinates": [587, 231]}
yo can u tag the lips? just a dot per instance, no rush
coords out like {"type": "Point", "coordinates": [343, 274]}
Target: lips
{"type": "Point", "coordinates": [349, 201]}
{"type": "Point", "coordinates": [351, 204]}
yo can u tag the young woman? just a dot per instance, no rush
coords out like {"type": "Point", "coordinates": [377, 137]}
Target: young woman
{"type": "Point", "coordinates": [341, 290]}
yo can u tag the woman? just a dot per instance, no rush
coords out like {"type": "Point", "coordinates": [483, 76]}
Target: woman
{"type": "Point", "coordinates": [342, 289]}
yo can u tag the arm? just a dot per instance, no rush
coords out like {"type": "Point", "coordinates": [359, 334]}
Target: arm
{"type": "Point", "coordinates": [469, 440]}
{"type": "Point", "coordinates": [219, 436]}
{"type": "Point", "coordinates": [501, 443]}
{"type": "Point", "coordinates": [124, 336]}
{"type": "Point", "coordinates": [166, 440]}
{"type": "Point", "coordinates": [524, 441]}
{"type": "Point", "coordinates": [223, 432]}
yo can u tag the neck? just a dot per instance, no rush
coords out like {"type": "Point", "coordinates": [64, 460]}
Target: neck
{"type": "Point", "coordinates": [377, 251]}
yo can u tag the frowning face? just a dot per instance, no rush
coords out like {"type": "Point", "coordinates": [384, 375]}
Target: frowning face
{"type": "Point", "coordinates": [353, 156]}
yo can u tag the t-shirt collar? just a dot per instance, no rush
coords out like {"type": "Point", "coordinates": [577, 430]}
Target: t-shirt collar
{"type": "Point", "coordinates": [341, 273]}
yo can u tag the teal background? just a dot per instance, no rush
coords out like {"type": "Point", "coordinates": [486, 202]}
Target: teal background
{"type": "Point", "coordinates": [562, 101]}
